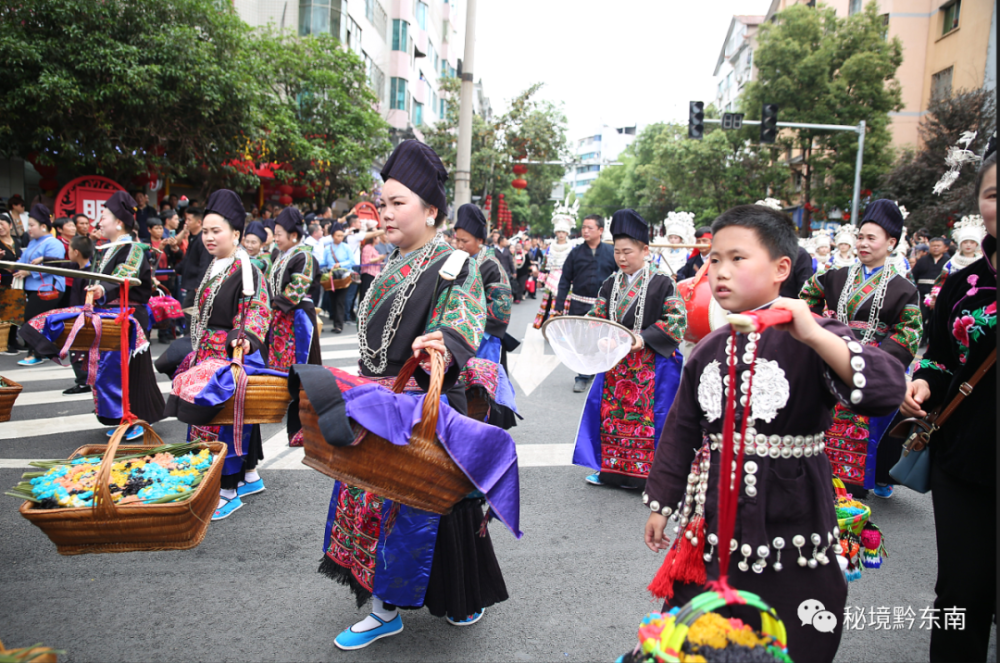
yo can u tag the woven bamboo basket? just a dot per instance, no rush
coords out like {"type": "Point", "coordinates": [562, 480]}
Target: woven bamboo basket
{"type": "Point", "coordinates": [5, 334]}
{"type": "Point", "coordinates": [110, 528]}
{"type": "Point", "coordinates": [9, 391]}
{"type": "Point", "coordinates": [111, 337]}
{"type": "Point", "coordinates": [266, 400]}
{"type": "Point", "coordinates": [420, 474]}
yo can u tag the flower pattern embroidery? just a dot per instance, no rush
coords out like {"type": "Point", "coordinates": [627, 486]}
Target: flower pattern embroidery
{"type": "Point", "coordinates": [970, 326]}
{"type": "Point", "coordinates": [770, 390]}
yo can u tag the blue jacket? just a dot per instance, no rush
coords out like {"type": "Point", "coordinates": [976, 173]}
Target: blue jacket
{"type": "Point", "coordinates": [46, 247]}
{"type": "Point", "coordinates": [341, 253]}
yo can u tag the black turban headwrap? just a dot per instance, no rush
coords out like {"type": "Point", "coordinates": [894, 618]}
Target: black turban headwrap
{"type": "Point", "coordinates": [471, 220]}
{"type": "Point", "coordinates": [418, 167]}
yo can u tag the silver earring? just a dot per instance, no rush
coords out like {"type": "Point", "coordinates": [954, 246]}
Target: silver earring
{"type": "Point", "coordinates": [429, 221]}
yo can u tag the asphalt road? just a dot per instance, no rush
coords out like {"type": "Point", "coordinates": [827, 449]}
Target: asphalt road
{"type": "Point", "coordinates": [250, 591]}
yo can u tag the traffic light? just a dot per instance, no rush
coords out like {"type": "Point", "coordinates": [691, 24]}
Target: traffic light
{"type": "Point", "coordinates": [732, 120]}
{"type": "Point", "coordinates": [769, 123]}
{"type": "Point", "coordinates": [696, 119]}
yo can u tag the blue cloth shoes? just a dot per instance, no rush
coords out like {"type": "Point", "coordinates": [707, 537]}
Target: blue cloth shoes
{"type": "Point", "coordinates": [885, 492]}
{"type": "Point", "coordinates": [133, 433]}
{"type": "Point", "coordinates": [31, 361]}
{"type": "Point", "coordinates": [468, 621]}
{"type": "Point", "coordinates": [251, 488]}
{"type": "Point", "coordinates": [349, 639]}
{"type": "Point", "coordinates": [228, 508]}
{"type": "Point", "coordinates": [594, 479]}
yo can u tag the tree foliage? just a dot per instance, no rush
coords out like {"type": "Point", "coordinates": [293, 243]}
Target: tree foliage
{"type": "Point", "coordinates": [822, 69]}
{"type": "Point", "coordinates": [183, 87]}
{"type": "Point", "coordinates": [531, 129]}
{"type": "Point", "coordinates": [663, 170]}
{"type": "Point", "coordinates": [912, 181]}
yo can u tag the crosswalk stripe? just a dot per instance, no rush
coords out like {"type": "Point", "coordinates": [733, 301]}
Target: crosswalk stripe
{"type": "Point", "coordinates": [51, 426]}
{"type": "Point", "coordinates": [279, 456]}
{"type": "Point", "coordinates": [326, 341]}
{"type": "Point", "coordinates": [56, 396]}
{"type": "Point", "coordinates": [528, 455]}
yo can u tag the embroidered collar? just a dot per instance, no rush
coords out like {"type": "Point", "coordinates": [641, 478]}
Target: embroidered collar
{"type": "Point", "coordinates": [869, 272]}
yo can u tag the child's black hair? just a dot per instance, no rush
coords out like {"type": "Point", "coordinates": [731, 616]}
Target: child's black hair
{"type": "Point", "coordinates": [83, 245]}
{"type": "Point", "coordinates": [774, 229]}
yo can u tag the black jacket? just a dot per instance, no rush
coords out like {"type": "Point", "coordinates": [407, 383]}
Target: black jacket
{"type": "Point", "coordinates": [196, 261]}
{"type": "Point", "coordinates": [584, 271]}
{"type": "Point", "coordinates": [802, 269]}
{"type": "Point", "coordinates": [926, 271]}
{"type": "Point", "coordinates": [691, 267]}
{"type": "Point", "coordinates": [506, 259]}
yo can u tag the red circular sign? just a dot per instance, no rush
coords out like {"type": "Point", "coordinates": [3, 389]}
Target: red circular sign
{"type": "Point", "coordinates": [85, 195]}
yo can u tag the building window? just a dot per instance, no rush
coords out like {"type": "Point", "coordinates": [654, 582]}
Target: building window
{"type": "Point", "coordinates": [854, 7]}
{"type": "Point", "coordinates": [320, 16]}
{"type": "Point", "coordinates": [418, 113]}
{"type": "Point", "coordinates": [397, 93]}
{"type": "Point", "coordinates": [376, 79]}
{"type": "Point", "coordinates": [951, 16]}
{"type": "Point", "coordinates": [422, 15]}
{"type": "Point", "coordinates": [941, 84]}
{"type": "Point", "coordinates": [353, 39]}
{"type": "Point", "coordinates": [444, 108]}
{"type": "Point", "coordinates": [399, 28]}
{"type": "Point", "coordinates": [377, 16]}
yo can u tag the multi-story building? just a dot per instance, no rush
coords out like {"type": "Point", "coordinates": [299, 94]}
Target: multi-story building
{"type": "Point", "coordinates": [596, 152]}
{"type": "Point", "coordinates": [408, 46]}
{"type": "Point", "coordinates": [735, 67]}
{"type": "Point", "coordinates": [947, 45]}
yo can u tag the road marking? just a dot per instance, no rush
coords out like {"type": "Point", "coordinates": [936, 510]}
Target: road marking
{"type": "Point", "coordinates": [531, 366]}
{"type": "Point", "coordinates": [56, 396]}
{"type": "Point", "coordinates": [38, 427]}
{"type": "Point", "coordinates": [290, 458]}
{"type": "Point", "coordinates": [279, 456]}
{"type": "Point", "coordinates": [325, 341]}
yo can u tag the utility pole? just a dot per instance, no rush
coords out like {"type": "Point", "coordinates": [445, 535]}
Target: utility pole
{"type": "Point", "coordinates": [463, 166]}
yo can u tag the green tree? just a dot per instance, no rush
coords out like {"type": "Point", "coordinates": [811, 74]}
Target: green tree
{"type": "Point", "coordinates": [323, 123]}
{"type": "Point", "coordinates": [663, 170]}
{"type": "Point", "coordinates": [912, 181]}
{"type": "Point", "coordinates": [183, 87]}
{"type": "Point", "coordinates": [531, 129]}
{"type": "Point", "coordinates": [118, 86]}
{"type": "Point", "coordinates": [822, 69]}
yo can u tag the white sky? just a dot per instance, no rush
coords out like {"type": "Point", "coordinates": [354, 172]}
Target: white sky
{"type": "Point", "coordinates": [609, 61]}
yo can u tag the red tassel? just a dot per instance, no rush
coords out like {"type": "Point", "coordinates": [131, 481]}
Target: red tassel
{"type": "Point", "coordinates": [690, 564]}
{"type": "Point", "coordinates": [684, 562]}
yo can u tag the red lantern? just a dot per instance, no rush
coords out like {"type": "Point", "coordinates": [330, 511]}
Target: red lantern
{"type": "Point", "coordinates": [520, 169]}
{"type": "Point", "coordinates": [141, 180]}
{"type": "Point", "coordinates": [286, 190]}
{"type": "Point", "coordinates": [299, 192]}
{"type": "Point", "coordinates": [47, 172]}
{"type": "Point", "coordinates": [285, 200]}
{"type": "Point", "coordinates": [519, 184]}
{"type": "Point", "coordinates": [48, 184]}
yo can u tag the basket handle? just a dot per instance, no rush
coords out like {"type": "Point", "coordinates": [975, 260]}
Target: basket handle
{"type": "Point", "coordinates": [432, 400]}
{"type": "Point", "coordinates": [103, 504]}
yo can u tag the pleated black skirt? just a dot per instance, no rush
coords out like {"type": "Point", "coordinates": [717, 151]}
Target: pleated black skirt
{"type": "Point", "coordinates": [465, 575]}
{"type": "Point", "coordinates": [145, 399]}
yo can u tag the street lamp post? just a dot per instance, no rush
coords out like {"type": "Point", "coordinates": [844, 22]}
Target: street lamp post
{"type": "Point", "coordinates": [463, 161]}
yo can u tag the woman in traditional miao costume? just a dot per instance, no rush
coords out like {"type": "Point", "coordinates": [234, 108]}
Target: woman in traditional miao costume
{"type": "Point", "coordinates": [626, 406]}
{"type": "Point", "coordinates": [553, 259]}
{"type": "Point", "coordinates": [293, 281]}
{"type": "Point", "coordinates": [254, 239]}
{"type": "Point", "coordinates": [124, 257]}
{"type": "Point", "coordinates": [679, 228]}
{"type": "Point", "coordinates": [444, 563]}
{"type": "Point", "coordinates": [968, 234]}
{"type": "Point", "coordinates": [224, 311]}
{"type": "Point", "coordinates": [846, 237]}
{"type": "Point", "coordinates": [882, 308]}
{"type": "Point", "coordinates": [470, 236]}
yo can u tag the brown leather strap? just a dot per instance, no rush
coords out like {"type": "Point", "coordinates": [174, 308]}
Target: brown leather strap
{"type": "Point", "coordinates": [963, 390]}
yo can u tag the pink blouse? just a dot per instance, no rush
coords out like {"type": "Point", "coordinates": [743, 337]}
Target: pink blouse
{"type": "Point", "coordinates": [369, 256]}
